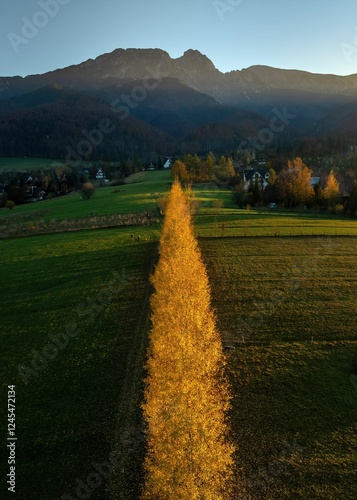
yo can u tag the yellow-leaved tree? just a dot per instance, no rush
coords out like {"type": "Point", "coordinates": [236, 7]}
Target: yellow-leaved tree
{"type": "Point", "coordinates": [189, 456]}
{"type": "Point", "coordinates": [331, 191]}
{"type": "Point", "coordinates": [294, 184]}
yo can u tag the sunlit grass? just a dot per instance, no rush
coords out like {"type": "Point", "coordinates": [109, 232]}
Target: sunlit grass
{"type": "Point", "coordinates": [288, 305]}
{"type": "Point", "coordinates": [226, 222]}
{"type": "Point", "coordinates": [141, 195]}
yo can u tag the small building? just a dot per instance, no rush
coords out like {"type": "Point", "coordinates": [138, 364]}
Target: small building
{"type": "Point", "coordinates": [35, 193]}
{"type": "Point", "coordinates": [314, 181]}
{"type": "Point", "coordinates": [260, 175]}
{"type": "Point", "coordinates": [168, 163]}
{"type": "Point", "coordinates": [100, 175]}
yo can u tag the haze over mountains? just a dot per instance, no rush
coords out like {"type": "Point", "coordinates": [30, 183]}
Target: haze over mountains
{"type": "Point", "coordinates": [158, 106]}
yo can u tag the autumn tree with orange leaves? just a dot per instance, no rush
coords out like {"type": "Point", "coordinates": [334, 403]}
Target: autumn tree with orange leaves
{"type": "Point", "coordinates": [189, 455]}
{"type": "Point", "coordinates": [294, 184]}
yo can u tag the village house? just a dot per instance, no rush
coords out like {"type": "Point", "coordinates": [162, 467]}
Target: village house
{"type": "Point", "coordinates": [259, 175]}
{"type": "Point", "coordinates": [100, 175]}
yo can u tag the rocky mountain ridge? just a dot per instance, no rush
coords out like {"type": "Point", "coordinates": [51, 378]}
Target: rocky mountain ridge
{"type": "Point", "coordinates": [187, 100]}
{"type": "Point", "coordinates": [192, 68]}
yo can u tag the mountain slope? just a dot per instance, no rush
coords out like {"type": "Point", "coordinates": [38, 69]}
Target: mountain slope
{"type": "Point", "coordinates": [55, 120]}
{"type": "Point", "coordinates": [69, 124]}
{"type": "Point", "coordinates": [340, 122]}
{"type": "Point", "coordinates": [167, 103]}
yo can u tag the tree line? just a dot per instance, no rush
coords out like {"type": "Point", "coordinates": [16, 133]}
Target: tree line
{"type": "Point", "coordinates": [290, 185]}
{"type": "Point", "coordinates": [189, 455]}
{"type": "Point", "coordinates": [194, 169]}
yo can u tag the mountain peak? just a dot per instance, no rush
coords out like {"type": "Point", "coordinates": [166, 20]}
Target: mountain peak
{"type": "Point", "coordinates": [192, 56]}
{"type": "Point", "coordinates": [193, 53]}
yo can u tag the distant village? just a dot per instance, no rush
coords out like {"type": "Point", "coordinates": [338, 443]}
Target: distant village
{"type": "Point", "coordinates": [62, 179]}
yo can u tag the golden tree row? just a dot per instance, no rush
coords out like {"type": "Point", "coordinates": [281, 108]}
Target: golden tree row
{"type": "Point", "coordinates": [186, 395]}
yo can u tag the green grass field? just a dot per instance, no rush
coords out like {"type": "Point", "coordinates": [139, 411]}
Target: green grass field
{"type": "Point", "coordinates": [26, 164]}
{"type": "Point", "coordinates": [140, 195]}
{"type": "Point", "coordinates": [286, 302]}
{"type": "Point", "coordinates": [289, 307]}
{"type": "Point", "coordinates": [67, 412]}
{"type": "Point", "coordinates": [146, 188]}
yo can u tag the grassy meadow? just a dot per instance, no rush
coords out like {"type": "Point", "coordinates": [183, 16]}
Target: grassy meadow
{"type": "Point", "coordinates": [139, 195]}
{"type": "Point", "coordinates": [284, 288]}
{"type": "Point", "coordinates": [289, 307]}
{"type": "Point", "coordinates": [68, 407]}
{"type": "Point", "coordinates": [26, 164]}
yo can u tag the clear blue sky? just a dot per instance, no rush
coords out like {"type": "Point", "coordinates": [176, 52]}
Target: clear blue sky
{"type": "Point", "coordinates": [314, 35]}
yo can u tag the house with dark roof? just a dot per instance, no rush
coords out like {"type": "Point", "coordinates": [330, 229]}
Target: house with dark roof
{"type": "Point", "coordinates": [259, 175]}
